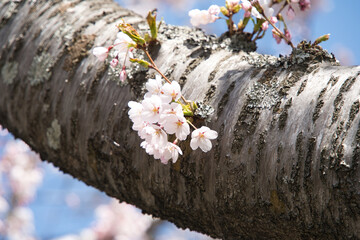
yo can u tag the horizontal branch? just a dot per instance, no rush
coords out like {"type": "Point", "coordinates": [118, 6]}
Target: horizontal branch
{"type": "Point", "coordinates": [285, 164]}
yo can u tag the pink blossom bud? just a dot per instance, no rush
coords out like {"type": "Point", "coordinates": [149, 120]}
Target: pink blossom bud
{"type": "Point", "coordinates": [287, 34]}
{"type": "Point", "coordinates": [101, 53]}
{"type": "Point", "coordinates": [276, 36]}
{"type": "Point", "coordinates": [273, 20]}
{"type": "Point", "coordinates": [246, 5]}
{"type": "Point", "coordinates": [123, 75]}
{"type": "Point", "coordinates": [247, 14]}
{"type": "Point", "coordinates": [304, 4]}
{"type": "Point", "coordinates": [290, 13]}
{"type": "Point", "coordinates": [114, 62]}
{"type": "Point", "coordinates": [265, 25]}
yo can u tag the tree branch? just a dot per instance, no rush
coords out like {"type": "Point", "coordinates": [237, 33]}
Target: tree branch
{"type": "Point", "coordinates": [285, 164]}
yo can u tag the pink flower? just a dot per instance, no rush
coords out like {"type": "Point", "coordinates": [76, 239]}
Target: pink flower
{"type": "Point", "coordinates": [247, 14]}
{"type": "Point", "coordinates": [101, 53]}
{"type": "Point", "coordinates": [265, 25]}
{"type": "Point", "coordinates": [290, 13]}
{"type": "Point", "coordinates": [201, 138]}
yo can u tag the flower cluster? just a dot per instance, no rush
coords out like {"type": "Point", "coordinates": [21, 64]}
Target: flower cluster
{"type": "Point", "coordinates": [160, 114]}
{"type": "Point", "coordinates": [261, 12]}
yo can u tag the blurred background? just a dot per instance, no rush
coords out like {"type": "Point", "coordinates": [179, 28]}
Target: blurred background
{"type": "Point", "coordinates": [37, 201]}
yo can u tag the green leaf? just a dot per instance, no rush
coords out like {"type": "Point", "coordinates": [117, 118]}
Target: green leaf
{"type": "Point", "coordinates": [132, 33]}
{"type": "Point", "coordinates": [140, 61]}
{"type": "Point", "coordinates": [151, 20]}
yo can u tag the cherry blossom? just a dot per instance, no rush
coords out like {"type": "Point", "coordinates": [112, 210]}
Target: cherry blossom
{"type": "Point", "coordinates": [101, 53]}
{"type": "Point", "coordinates": [201, 138]}
{"type": "Point", "coordinates": [160, 113]}
{"type": "Point", "coordinates": [154, 86]}
{"type": "Point", "coordinates": [171, 151]}
{"type": "Point", "coordinates": [152, 108]}
{"type": "Point", "coordinates": [203, 17]}
{"type": "Point", "coordinates": [135, 112]}
{"type": "Point", "coordinates": [171, 92]}
{"type": "Point", "coordinates": [178, 125]}
{"type": "Point", "coordinates": [123, 42]}
{"type": "Point", "coordinates": [290, 13]}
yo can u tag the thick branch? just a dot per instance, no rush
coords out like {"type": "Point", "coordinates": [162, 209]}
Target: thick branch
{"type": "Point", "coordinates": [285, 164]}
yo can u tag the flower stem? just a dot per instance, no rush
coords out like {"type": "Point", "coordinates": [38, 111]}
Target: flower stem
{"type": "Point", "coordinates": [156, 69]}
{"type": "Point", "coordinates": [190, 123]}
{"type": "Point", "coordinates": [280, 33]}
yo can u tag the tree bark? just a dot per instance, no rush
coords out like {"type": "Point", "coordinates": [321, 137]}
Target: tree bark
{"type": "Point", "coordinates": [285, 164]}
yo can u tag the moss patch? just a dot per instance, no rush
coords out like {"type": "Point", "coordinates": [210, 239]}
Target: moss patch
{"type": "Point", "coordinates": [40, 69]}
{"type": "Point", "coordinates": [9, 72]}
{"type": "Point", "coordinates": [53, 135]}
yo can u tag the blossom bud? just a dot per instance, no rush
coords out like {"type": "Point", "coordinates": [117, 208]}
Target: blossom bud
{"type": "Point", "coordinates": [224, 11]}
{"type": "Point", "coordinates": [322, 39]}
{"type": "Point", "coordinates": [273, 20]}
{"type": "Point", "coordinates": [114, 62]}
{"type": "Point", "coordinates": [304, 5]}
{"type": "Point", "coordinates": [287, 34]}
{"type": "Point", "coordinates": [247, 14]}
{"type": "Point", "coordinates": [246, 5]}
{"type": "Point", "coordinates": [265, 25]}
{"type": "Point", "coordinates": [276, 36]}
{"type": "Point", "coordinates": [123, 75]}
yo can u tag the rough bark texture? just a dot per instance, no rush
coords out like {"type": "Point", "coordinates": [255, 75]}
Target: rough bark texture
{"type": "Point", "coordinates": [285, 165]}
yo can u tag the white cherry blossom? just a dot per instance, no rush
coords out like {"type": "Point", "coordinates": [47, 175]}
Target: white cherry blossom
{"type": "Point", "coordinates": [101, 53]}
{"type": "Point", "coordinates": [201, 138]}
{"type": "Point", "coordinates": [154, 86]}
{"type": "Point", "coordinates": [171, 92]}
{"type": "Point", "coordinates": [135, 112]}
{"type": "Point", "coordinates": [152, 109]}
{"type": "Point", "coordinates": [171, 109]}
{"type": "Point", "coordinates": [123, 42]}
{"type": "Point", "coordinates": [203, 17]}
{"type": "Point", "coordinates": [171, 151]}
{"type": "Point", "coordinates": [178, 125]}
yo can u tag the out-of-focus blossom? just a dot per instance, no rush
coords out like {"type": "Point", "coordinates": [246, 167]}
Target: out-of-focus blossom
{"type": "Point", "coordinates": [304, 5]}
{"type": "Point", "coordinates": [290, 13]}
